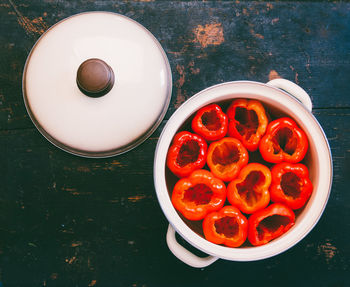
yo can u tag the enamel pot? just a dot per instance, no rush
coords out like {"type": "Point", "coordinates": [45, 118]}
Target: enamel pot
{"type": "Point", "coordinates": [281, 98]}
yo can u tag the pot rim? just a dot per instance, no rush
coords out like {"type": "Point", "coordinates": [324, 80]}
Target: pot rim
{"type": "Point", "coordinates": [308, 122]}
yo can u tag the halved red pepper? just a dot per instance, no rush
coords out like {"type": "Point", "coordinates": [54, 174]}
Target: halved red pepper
{"type": "Point", "coordinates": [269, 223]}
{"type": "Point", "coordinates": [290, 184]}
{"type": "Point", "coordinates": [247, 122]}
{"type": "Point", "coordinates": [210, 122]}
{"type": "Point", "coordinates": [187, 153]}
{"type": "Point", "coordinates": [226, 157]}
{"type": "Point", "coordinates": [283, 141]}
{"type": "Point", "coordinates": [197, 195]}
{"type": "Point", "coordinates": [227, 226]}
{"type": "Point", "coordinates": [250, 190]}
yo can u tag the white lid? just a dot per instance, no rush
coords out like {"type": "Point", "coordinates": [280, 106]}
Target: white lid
{"type": "Point", "coordinates": [115, 122]}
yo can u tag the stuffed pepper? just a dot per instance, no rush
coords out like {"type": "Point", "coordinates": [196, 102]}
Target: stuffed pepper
{"type": "Point", "coordinates": [187, 153]}
{"type": "Point", "coordinates": [247, 122]}
{"type": "Point", "coordinates": [226, 157]}
{"type": "Point", "coordinates": [284, 141]}
{"type": "Point", "coordinates": [197, 195]}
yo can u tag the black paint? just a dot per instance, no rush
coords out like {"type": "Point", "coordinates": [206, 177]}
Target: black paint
{"type": "Point", "coordinates": [70, 221]}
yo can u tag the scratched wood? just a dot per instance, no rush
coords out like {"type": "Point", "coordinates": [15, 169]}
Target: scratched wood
{"type": "Point", "coordinates": [70, 221]}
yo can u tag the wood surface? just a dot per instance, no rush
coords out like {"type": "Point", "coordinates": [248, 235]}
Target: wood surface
{"type": "Point", "coordinates": [71, 221]}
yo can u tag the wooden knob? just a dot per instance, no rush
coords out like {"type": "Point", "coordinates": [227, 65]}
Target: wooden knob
{"type": "Point", "coordinates": [95, 78]}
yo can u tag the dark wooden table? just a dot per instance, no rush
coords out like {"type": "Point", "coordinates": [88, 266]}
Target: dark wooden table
{"type": "Point", "coordinates": [71, 221]}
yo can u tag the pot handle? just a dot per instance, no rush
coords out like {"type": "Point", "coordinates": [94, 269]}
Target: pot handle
{"type": "Point", "coordinates": [183, 254]}
{"type": "Point", "coordinates": [293, 89]}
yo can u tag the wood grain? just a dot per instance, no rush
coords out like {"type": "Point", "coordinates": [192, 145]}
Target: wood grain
{"type": "Point", "coordinates": [71, 221]}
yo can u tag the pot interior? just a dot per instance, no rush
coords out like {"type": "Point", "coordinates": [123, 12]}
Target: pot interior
{"type": "Point", "coordinates": [274, 112]}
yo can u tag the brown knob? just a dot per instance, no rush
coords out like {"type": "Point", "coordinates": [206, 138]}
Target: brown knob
{"type": "Point", "coordinates": [95, 78]}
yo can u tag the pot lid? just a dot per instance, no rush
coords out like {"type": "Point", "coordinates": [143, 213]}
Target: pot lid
{"type": "Point", "coordinates": [97, 84]}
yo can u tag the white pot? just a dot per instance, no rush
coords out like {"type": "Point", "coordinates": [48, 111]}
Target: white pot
{"type": "Point", "coordinates": [297, 104]}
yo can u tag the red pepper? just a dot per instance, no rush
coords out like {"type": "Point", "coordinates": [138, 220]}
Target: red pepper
{"type": "Point", "coordinates": [227, 226]}
{"type": "Point", "coordinates": [210, 122]}
{"type": "Point", "coordinates": [283, 141]}
{"type": "Point", "coordinates": [269, 223]}
{"type": "Point", "coordinates": [197, 195]}
{"type": "Point", "coordinates": [290, 184]}
{"type": "Point", "coordinates": [187, 153]}
{"type": "Point", "coordinates": [247, 122]}
{"type": "Point", "coordinates": [250, 190]}
{"type": "Point", "coordinates": [226, 157]}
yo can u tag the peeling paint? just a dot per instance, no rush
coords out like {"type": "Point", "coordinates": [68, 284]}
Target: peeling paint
{"type": "Point", "coordinates": [257, 35]}
{"type": "Point", "coordinates": [273, 75]}
{"type": "Point", "coordinates": [174, 53]}
{"type": "Point", "coordinates": [269, 6]}
{"type": "Point", "coordinates": [180, 98]}
{"type": "Point", "coordinates": [328, 250]}
{"type": "Point", "coordinates": [32, 27]}
{"type": "Point", "coordinates": [296, 80]}
{"type": "Point", "coordinates": [70, 260]}
{"type": "Point", "coordinates": [69, 189]}
{"type": "Point", "coordinates": [193, 70]}
{"type": "Point", "coordinates": [83, 169]}
{"type": "Point", "coordinates": [308, 63]}
{"type": "Point", "coordinates": [274, 21]}
{"type": "Point", "coordinates": [116, 162]}
{"type": "Point", "coordinates": [136, 198]}
{"type": "Point", "coordinates": [35, 26]}
{"type": "Point", "coordinates": [76, 244]}
{"type": "Point", "coordinates": [210, 34]}
{"type": "Point", "coordinates": [202, 55]}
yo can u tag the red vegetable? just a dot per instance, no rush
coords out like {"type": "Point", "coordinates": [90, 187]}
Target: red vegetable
{"type": "Point", "coordinates": [269, 223]}
{"type": "Point", "coordinates": [226, 157]}
{"type": "Point", "coordinates": [283, 141]}
{"type": "Point", "coordinates": [197, 195]}
{"type": "Point", "coordinates": [290, 184]}
{"type": "Point", "coordinates": [227, 226]}
{"type": "Point", "coordinates": [210, 122]}
{"type": "Point", "coordinates": [250, 190]}
{"type": "Point", "coordinates": [187, 153]}
{"type": "Point", "coordinates": [247, 122]}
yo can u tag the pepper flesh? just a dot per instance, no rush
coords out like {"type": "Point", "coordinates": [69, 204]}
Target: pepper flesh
{"type": "Point", "coordinates": [187, 153]}
{"type": "Point", "coordinates": [210, 122]}
{"type": "Point", "coordinates": [250, 190]}
{"type": "Point", "coordinates": [247, 122]}
{"type": "Point", "coordinates": [227, 226]}
{"type": "Point", "coordinates": [267, 224]}
{"type": "Point", "coordinates": [284, 141]}
{"type": "Point", "coordinates": [226, 157]}
{"type": "Point", "coordinates": [197, 195]}
{"type": "Point", "coordinates": [291, 184]}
